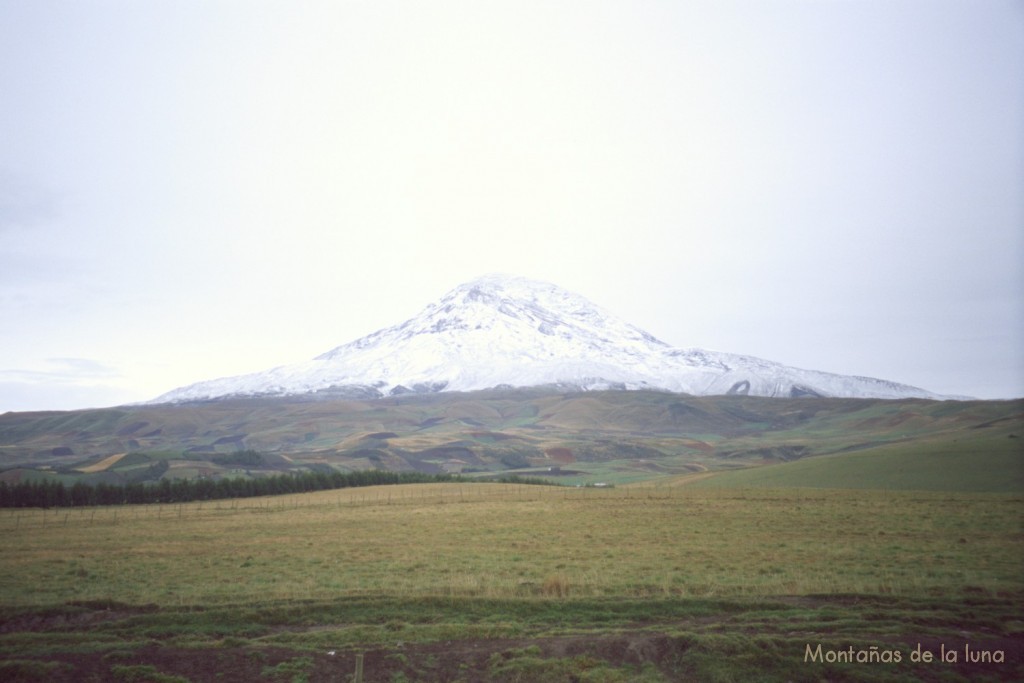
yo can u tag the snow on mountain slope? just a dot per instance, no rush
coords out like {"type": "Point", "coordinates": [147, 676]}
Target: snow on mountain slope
{"type": "Point", "coordinates": [499, 331]}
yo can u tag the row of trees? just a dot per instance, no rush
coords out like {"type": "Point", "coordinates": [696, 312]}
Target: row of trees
{"type": "Point", "coordinates": [47, 493]}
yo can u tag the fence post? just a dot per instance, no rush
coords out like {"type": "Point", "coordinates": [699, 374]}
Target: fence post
{"type": "Point", "coordinates": [359, 668]}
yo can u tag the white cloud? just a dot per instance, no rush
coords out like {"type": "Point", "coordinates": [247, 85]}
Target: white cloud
{"type": "Point", "coordinates": [61, 384]}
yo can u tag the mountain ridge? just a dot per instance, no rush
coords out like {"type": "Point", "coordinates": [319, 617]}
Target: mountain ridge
{"type": "Point", "coordinates": [500, 331]}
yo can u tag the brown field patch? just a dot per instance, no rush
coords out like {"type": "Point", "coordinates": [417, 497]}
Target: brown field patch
{"type": "Point", "coordinates": [560, 455]}
{"type": "Point", "coordinates": [103, 465]}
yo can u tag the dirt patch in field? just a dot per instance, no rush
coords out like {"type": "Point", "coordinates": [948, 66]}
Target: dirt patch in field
{"type": "Point", "coordinates": [500, 660]}
{"type": "Point", "coordinates": [469, 660]}
{"type": "Point", "coordinates": [76, 616]}
{"type": "Point", "coordinates": [672, 648]}
{"type": "Point", "coordinates": [560, 455]}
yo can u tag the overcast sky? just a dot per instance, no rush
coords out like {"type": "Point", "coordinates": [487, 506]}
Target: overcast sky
{"type": "Point", "coordinates": [193, 189]}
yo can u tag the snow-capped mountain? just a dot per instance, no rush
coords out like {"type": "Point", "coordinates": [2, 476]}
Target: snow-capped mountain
{"type": "Point", "coordinates": [503, 331]}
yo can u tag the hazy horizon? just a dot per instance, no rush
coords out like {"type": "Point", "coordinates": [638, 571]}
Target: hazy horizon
{"type": "Point", "coordinates": [198, 189]}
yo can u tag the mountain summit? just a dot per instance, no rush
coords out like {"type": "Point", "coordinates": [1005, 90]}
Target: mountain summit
{"type": "Point", "coordinates": [501, 331]}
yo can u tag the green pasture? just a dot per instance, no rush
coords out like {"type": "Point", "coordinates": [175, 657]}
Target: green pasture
{"type": "Point", "coordinates": [985, 462]}
{"type": "Point", "coordinates": [513, 583]}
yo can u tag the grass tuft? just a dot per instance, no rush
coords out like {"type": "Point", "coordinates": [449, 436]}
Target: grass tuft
{"type": "Point", "coordinates": [556, 586]}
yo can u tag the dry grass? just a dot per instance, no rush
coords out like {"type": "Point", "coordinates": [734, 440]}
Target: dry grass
{"type": "Point", "coordinates": [504, 541]}
{"type": "Point", "coordinates": [102, 465]}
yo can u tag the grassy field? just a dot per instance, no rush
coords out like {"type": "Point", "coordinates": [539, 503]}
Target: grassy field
{"type": "Point", "coordinates": [448, 582]}
{"type": "Point", "coordinates": [985, 462]}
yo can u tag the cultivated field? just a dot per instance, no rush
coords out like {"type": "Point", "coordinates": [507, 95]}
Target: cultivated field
{"type": "Point", "coordinates": [469, 582]}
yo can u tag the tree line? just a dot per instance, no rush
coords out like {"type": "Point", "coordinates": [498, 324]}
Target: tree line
{"type": "Point", "coordinates": [47, 493]}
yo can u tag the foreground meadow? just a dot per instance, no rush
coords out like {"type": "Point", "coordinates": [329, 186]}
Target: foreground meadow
{"type": "Point", "coordinates": [519, 583]}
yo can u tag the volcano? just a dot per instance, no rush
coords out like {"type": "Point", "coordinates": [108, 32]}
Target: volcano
{"type": "Point", "coordinates": [500, 332]}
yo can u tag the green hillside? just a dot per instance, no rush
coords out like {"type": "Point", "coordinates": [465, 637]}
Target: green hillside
{"type": "Point", "coordinates": [988, 462]}
{"type": "Point", "coordinates": [615, 437]}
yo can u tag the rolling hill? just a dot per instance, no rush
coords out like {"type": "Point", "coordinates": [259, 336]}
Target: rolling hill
{"type": "Point", "coordinates": [570, 437]}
